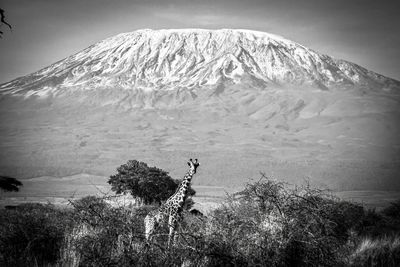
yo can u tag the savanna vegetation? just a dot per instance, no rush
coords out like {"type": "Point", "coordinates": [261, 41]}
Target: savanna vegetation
{"type": "Point", "coordinates": [268, 223]}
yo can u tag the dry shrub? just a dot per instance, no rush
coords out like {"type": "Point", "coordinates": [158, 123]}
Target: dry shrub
{"type": "Point", "coordinates": [32, 235]}
{"type": "Point", "coordinates": [382, 251]}
{"type": "Point", "coordinates": [269, 224]}
{"type": "Point", "coordinates": [103, 234]}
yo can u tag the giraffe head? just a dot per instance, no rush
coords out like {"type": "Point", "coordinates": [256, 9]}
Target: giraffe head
{"type": "Point", "coordinates": [193, 165]}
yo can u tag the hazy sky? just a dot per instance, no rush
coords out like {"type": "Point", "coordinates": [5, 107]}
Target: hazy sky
{"type": "Point", "coordinates": [44, 31]}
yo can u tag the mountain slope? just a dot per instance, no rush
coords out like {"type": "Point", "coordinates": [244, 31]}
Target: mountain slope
{"type": "Point", "coordinates": [154, 60]}
{"type": "Point", "coordinates": [240, 101]}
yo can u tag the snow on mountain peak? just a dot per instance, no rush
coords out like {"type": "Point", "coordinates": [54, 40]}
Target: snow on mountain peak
{"type": "Point", "coordinates": [186, 58]}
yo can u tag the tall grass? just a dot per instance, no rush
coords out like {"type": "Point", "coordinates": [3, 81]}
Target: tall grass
{"type": "Point", "coordinates": [382, 251]}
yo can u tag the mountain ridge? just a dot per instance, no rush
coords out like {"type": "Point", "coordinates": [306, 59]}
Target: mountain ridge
{"type": "Point", "coordinates": [157, 60]}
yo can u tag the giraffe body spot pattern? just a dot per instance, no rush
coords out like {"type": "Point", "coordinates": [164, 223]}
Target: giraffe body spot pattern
{"type": "Point", "coordinates": [171, 210]}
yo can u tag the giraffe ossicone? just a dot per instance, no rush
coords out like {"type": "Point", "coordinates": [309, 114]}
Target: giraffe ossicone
{"type": "Point", "coordinates": [171, 210]}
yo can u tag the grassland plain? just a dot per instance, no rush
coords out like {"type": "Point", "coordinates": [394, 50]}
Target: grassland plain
{"type": "Point", "coordinates": [61, 190]}
{"type": "Point", "coordinates": [62, 137]}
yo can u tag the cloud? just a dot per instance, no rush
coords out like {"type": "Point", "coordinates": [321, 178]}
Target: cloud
{"type": "Point", "coordinates": [186, 18]}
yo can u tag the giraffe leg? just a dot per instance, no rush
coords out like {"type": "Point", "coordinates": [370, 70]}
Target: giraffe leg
{"type": "Point", "coordinates": [178, 228]}
{"type": "Point", "coordinates": [149, 225]}
{"type": "Point", "coordinates": [172, 227]}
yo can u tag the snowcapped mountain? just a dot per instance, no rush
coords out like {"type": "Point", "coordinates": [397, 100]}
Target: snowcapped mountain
{"type": "Point", "coordinates": [245, 100]}
{"type": "Point", "coordinates": [162, 60]}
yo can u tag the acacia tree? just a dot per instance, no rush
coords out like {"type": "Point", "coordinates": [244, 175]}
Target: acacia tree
{"type": "Point", "coordinates": [9, 184]}
{"type": "Point", "coordinates": [150, 184]}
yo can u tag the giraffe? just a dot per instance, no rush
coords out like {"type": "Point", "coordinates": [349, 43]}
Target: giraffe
{"type": "Point", "coordinates": [172, 208]}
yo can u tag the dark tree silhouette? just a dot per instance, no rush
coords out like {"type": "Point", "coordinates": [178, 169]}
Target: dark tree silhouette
{"type": "Point", "coordinates": [9, 184]}
{"type": "Point", "coordinates": [3, 21]}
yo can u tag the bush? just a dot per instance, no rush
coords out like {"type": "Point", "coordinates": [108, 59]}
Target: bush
{"type": "Point", "coordinates": [32, 233]}
{"type": "Point", "coordinates": [393, 211]}
{"type": "Point", "coordinates": [9, 184]}
{"type": "Point", "coordinates": [104, 235]}
{"type": "Point", "coordinates": [376, 224]}
{"type": "Point", "coordinates": [269, 224]}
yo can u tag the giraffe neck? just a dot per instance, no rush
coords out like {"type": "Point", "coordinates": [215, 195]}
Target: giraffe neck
{"type": "Point", "coordinates": [181, 193]}
{"type": "Point", "coordinates": [185, 184]}
{"type": "Point", "coordinates": [177, 200]}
